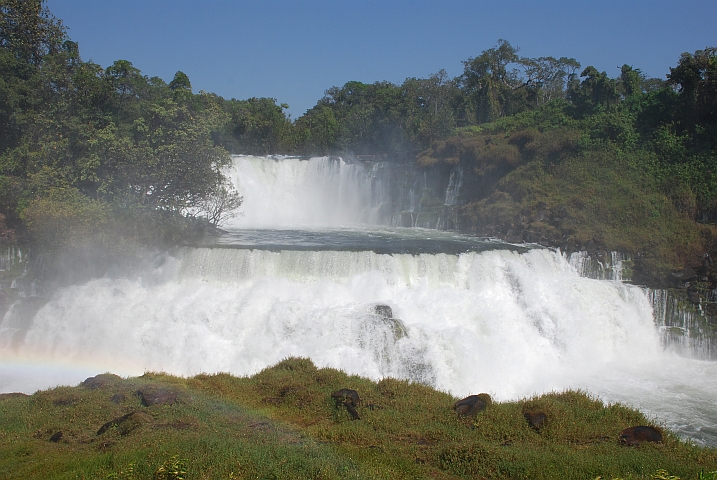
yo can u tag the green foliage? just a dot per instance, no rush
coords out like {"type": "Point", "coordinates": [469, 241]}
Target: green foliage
{"type": "Point", "coordinates": [29, 31]}
{"type": "Point", "coordinates": [172, 469]}
{"type": "Point", "coordinates": [255, 126]}
{"type": "Point", "coordinates": [695, 76]}
{"type": "Point", "coordinates": [596, 93]}
{"type": "Point", "coordinates": [63, 216]}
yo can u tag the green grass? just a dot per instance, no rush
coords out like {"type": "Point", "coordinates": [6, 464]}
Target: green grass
{"type": "Point", "coordinates": [282, 423]}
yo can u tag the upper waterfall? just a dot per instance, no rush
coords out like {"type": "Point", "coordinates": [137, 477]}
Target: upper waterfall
{"type": "Point", "coordinates": [285, 192]}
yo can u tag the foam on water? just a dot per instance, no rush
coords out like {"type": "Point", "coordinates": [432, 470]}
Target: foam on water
{"type": "Point", "coordinates": [511, 324]}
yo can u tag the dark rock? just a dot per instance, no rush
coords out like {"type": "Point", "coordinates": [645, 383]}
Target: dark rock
{"type": "Point", "coordinates": [633, 436]}
{"type": "Point", "coordinates": [342, 395]}
{"type": "Point", "coordinates": [128, 423]}
{"type": "Point", "coordinates": [65, 401]}
{"type": "Point", "coordinates": [56, 437]}
{"type": "Point", "coordinates": [103, 380]}
{"type": "Point", "coordinates": [536, 420]}
{"type": "Point", "coordinates": [348, 398]}
{"type": "Point", "coordinates": [471, 405]}
{"type": "Point", "coordinates": [514, 238]}
{"type": "Point", "coordinates": [113, 423]}
{"type": "Point", "coordinates": [546, 243]}
{"type": "Point", "coordinates": [684, 276]}
{"type": "Point", "coordinates": [693, 296]}
{"type": "Point", "coordinates": [157, 395]}
{"type": "Point", "coordinates": [118, 398]}
{"type": "Point", "coordinates": [541, 206]}
{"type": "Point", "coordinates": [352, 411]}
{"type": "Point", "coordinates": [591, 247]}
{"type": "Point", "coordinates": [531, 237]}
{"type": "Point", "coordinates": [383, 310]}
{"type": "Point", "coordinates": [561, 211]}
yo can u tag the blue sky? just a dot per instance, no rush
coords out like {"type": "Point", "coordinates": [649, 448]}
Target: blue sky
{"type": "Point", "coordinates": [294, 50]}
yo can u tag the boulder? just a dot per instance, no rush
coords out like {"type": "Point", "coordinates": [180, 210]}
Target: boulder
{"type": "Point", "coordinates": [128, 423]}
{"type": "Point", "coordinates": [471, 405]}
{"type": "Point", "coordinates": [349, 399]}
{"type": "Point", "coordinates": [157, 395]}
{"type": "Point", "coordinates": [633, 436]}
{"type": "Point", "coordinates": [102, 380]}
{"type": "Point", "coordinates": [560, 211]}
{"type": "Point", "coordinates": [591, 247]}
{"type": "Point", "coordinates": [384, 311]}
{"type": "Point", "coordinates": [684, 276]}
{"type": "Point", "coordinates": [536, 419]}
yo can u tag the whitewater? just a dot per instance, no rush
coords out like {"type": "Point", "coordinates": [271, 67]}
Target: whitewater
{"type": "Point", "coordinates": [309, 269]}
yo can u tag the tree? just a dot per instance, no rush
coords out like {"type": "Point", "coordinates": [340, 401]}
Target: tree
{"type": "Point", "coordinates": [29, 31]}
{"type": "Point", "coordinates": [166, 160]}
{"type": "Point", "coordinates": [429, 112]}
{"type": "Point", "coordinates": [256, 126]}
{"type": "Point", "coordinates": [547, 77]}
{"type": "Point", "coordinates": [180, 81]}
{"type": "Point", "coordinates": [490, 83]}
{"type": "Point", "coordinates": [630, 81]}
{"type": "Point", "coordinates": [318, 130]}
{"type": "Point", "coordinates": [220, 204]}
{"type": "Point", "coordinates": [695, 78]}
{"type": "Point", "coordinates": [597, 92]}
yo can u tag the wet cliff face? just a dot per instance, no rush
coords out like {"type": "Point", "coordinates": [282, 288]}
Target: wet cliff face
{"type": "Point", "coordinates": [14, 281]}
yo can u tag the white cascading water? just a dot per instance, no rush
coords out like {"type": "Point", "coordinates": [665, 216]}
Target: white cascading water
{"type": "Point", "coordinates": [291, 193]}
{"type": "Point", "coordinates": [511, 324]}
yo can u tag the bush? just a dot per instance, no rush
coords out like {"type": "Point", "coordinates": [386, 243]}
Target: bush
{"type": "Point", "coordinates": [64, 217]}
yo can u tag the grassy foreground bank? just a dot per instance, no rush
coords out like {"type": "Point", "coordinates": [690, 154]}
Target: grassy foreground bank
{"type": "Point", "coordinates": [282, 423]}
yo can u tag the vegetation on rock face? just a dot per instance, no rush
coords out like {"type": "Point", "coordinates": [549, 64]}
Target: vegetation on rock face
{"type": "Point", "coordinates": [283, 423]}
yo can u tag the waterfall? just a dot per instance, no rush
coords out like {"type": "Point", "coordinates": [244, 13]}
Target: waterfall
{"type": "Point", "coordinates": [465, 318]}
{"type": "Point", "coordinates": [602, 266]}
{"type": "Point", "coordinates": [455, 181]}
{"type": "Point", "coordinates": [287, 192]}
{"type": "Point", "coordinates": [682, 326]}
{"type": "Point", "coordinates": [239, 310]}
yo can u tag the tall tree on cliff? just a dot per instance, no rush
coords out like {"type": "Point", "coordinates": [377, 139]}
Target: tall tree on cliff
{"type": "Point", "coordinates": [492, 83]}
{"type": "Point", "coordinates": [695, 78]}
{"type": "Point", "coordinates": [29, 33]}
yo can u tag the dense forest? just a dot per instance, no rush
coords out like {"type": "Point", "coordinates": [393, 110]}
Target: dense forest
{"type": "Point", "coordinates": [114, 155]}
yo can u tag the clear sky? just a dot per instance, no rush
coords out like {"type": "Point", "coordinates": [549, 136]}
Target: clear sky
{"type": "Point", "coordinates": [294, 50]}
